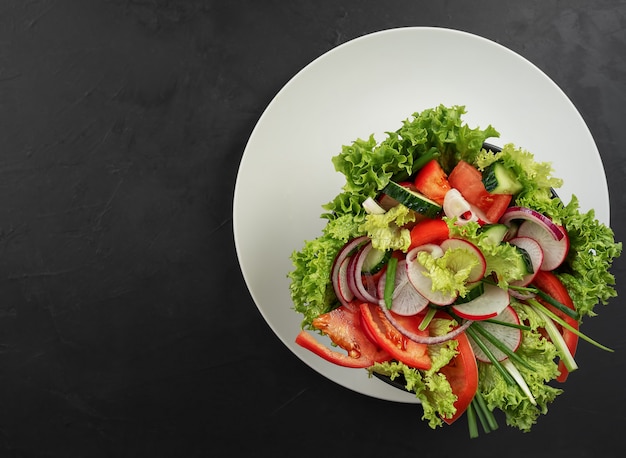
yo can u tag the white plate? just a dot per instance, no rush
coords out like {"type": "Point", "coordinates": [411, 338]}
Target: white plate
{"type": "Point", "coordinates": [369, 85]}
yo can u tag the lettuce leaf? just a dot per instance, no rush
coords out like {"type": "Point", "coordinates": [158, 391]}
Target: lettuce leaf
{"type": "Point", "coordinates": [369, 166]}
{"type": "Point", "coordinates": [593, 249]}
{"type": "Point", "coordinates": [502, 259]}
{"type": "Point", "coordinates": [386, 231]}
{"type": "Point", "coordinates": [444, 271]}
{"type": "Point", "coordinates": [311, 288]}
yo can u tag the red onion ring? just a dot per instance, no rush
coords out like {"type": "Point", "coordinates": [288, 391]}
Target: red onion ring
{"type": "Point", "coordinates": [428, 340]}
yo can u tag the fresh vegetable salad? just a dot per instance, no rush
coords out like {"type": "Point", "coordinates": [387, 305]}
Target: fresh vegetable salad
{"type": "Point", "coordinates": [452, 268]}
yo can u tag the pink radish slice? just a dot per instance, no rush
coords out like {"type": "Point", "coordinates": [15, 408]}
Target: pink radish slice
{"type": "Point", "coordinates": [509, 336]}
{"type": "Point", "coordinates": [340, 269]}
{"type": "Point", "coordinates": [487, 305]}
{"type": "Point", "coordinates": [532, 247]}
{"type": "Point", "coordinates": [418, 277]}
{"type": "Point", "coordinates": [356, 277]}
{"type": "Point", "coordinates": [405, 300]}
{"type": "Point", "coordinates": [478, 271]}
{"type": "Point", "coordinates": [554, 249]}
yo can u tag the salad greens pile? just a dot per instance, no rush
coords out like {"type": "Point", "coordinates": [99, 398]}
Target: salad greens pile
{"type": "Point", "coordinates": [440, 133]}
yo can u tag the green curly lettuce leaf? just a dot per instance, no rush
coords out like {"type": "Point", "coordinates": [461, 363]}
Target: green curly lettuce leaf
{"type": "Point", "coordinates": [311, 288]}
{"type": "Point", "coordinates": [386, 231]}
{"type": "Point", "coordinates": [368, 166]}
{"type": "Point", "coordinates": [502, 259]}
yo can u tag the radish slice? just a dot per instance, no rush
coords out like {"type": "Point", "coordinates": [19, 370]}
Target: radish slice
{"type": "Point", "coordinates": [355, 276]}
{"type": "Point", "coordinates": [428, 340]}
{"type": "Point", "coordinates": [533, 216]}
{"type": "Point", "coordinates": [532, 247]}
{"type": "Point", "coordinates": [509, 336]}
{"type": "Point", "coordinates": [478, 271]}
{"type": "Point", "coordinates": [488, 305]}
{"type": "Point", "coordinates": [406, 300]}
{"type": "Point", "coordinates": [554, 249]}
{"type": "Point", "coordinates": [341, 285]}
{"type": "Point", "coordinates": [418, 277]}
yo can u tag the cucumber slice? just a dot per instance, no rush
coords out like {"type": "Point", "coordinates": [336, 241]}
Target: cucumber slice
{"type": "Point", "coordinates": [525, 262]}
{"type": "Point", "coordinates": [375, 260]}
{"type": "Point", "coordinates": [414, 200]}
{"type": "Point", "coordinates": [495, 232]}
{"type": "Point", "coordinates": [500, 180]}
{"type": "Point", "coordinates": [475, 291]}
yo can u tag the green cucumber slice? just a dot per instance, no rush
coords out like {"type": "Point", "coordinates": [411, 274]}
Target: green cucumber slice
{"type": "Point", "coordinates": [414, 200]}
{"type": "Point", "coordinates": [495, 232]}
{"type": "Point", "coordinates": [499, 179]}
{"type": "Point", "coordinates": [375, 260]}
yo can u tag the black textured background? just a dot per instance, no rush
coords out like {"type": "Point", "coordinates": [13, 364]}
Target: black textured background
{"type": "Point", "coordinates": [125, 325]}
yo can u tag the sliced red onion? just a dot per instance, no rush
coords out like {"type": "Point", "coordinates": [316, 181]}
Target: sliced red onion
{"type": "Point", "coordinates": [529, 214]}
{"type": "Point", "coordinates": [428, 340]}
{"type": "Point", "coordinates": [355, 276]}
{"type": "Point", "coordinates": [341, 289]}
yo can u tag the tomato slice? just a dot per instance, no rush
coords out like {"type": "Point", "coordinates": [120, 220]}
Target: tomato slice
{"type": "Point", "coordinates": [343, 327]}
{"type": "Point", "coordinates": [550, 284]}
{"type": "Point", "coordinates": [468, 181]}
{"type": "Point", "coordinates": [461, 373]}
{"type": "Point", "coordinates": [392, 341]}
{"type": "Point", "coordinates": [429, 231]}
{"type": "Point", "coordinates": [432, 181]}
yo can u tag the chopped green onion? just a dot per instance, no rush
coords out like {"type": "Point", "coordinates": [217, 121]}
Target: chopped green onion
{"type": "Point", "coordinates": [557, 339]}
{"type": "Point", "coordinates": [506, 323]}
{"type": "Point", "coordinates": [493, 340]}
{"type": "Point", "coordinates": [491, 420]}
{"type": "Point", "coordinates": [538, 305]}
{"type": "Point", "coordinates": [481, 415]}
{"type": "Point", "coordinates": [471, 421]}
{"type": "Point", "coordinates": [430, 314]}
{"type": "Point", "coordinates": [476, 338]}
{"type": "Point", "coordinates": [390, 281]}
{"type": "Point", "coordinates": [562, 307]}
{"type": "Point", "coordinates": [509, 366]}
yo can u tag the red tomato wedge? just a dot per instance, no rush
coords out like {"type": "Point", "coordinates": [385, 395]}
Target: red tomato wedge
{"type": "Point", "coordinates": [462, 374]}
{"type": "Point", "coordinates": [468, 181]}
{"type": "Point", "coordinates": [343, 327]}
{"type": "Point", "coordinates": [392, 341]}
{"type": "Point", "coordinates": [429, 231]}
{"type": "Point", "coordinates": [550, 284]}
{"type": "Point", "coordinates": [432, 181]}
